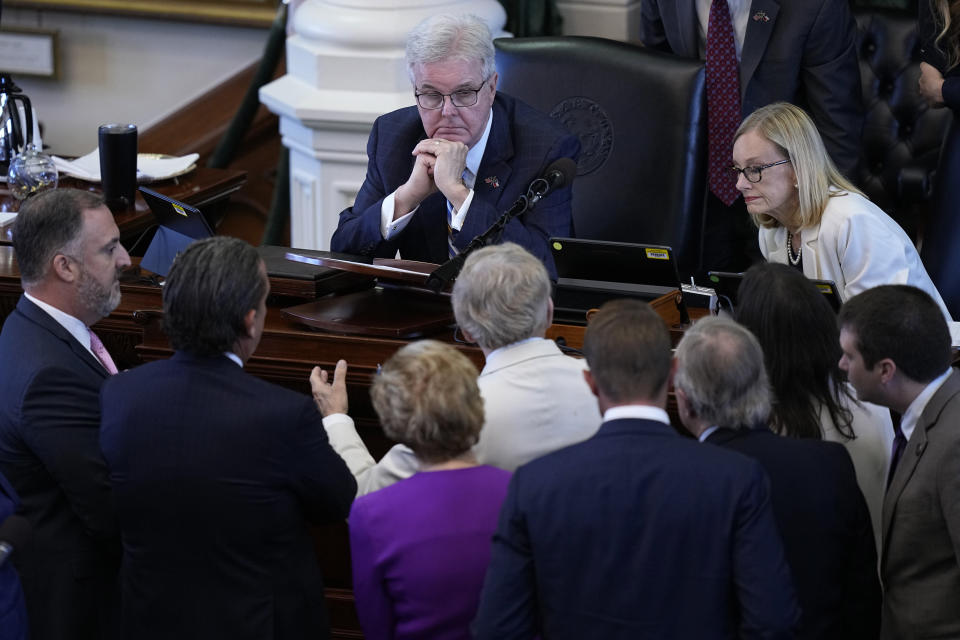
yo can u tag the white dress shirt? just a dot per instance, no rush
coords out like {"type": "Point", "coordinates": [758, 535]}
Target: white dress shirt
{"type": "Point", "coordinates": [910, 417]}
{"type": "Point", "coordinates": [637, 411]}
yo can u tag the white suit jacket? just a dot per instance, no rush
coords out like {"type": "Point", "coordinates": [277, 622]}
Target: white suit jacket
{"type": "Point", "coordinates": [857, 246]}
{"type": "Point", "coordinates": [535, 402]}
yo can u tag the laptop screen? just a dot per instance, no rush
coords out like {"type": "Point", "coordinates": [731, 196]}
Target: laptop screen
{"type": "Point", "coordinates": [615, 262]}
{"type": "Point", "coordinates": [590, 272]}
{"type": "Point", "coordinates": [179, 224]}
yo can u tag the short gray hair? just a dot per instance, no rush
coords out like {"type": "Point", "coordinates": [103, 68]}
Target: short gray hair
{"type": "Point", "coordinates": [502, 296]}
{"type": "Point", "coordinates": [446, 37]}
{"type": "Point", "coordinates": [427, 398]}
{"type": "Point", "coordinates": [720, 369]}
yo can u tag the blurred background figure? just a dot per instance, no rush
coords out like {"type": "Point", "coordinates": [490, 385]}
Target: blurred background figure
{"type": "Point", "coordinates": [940, 87]}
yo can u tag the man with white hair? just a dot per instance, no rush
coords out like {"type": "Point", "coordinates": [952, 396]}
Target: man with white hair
{"type": "Point", "coordinates": [535, 398]}
{"type": "Point", "coordinates": [723, 398]}
{"type": "Point", "coordinates": [442, 172]}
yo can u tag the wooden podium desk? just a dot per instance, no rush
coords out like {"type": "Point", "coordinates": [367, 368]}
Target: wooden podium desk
{"type": "Point", "coordinates": [203, 188]}
{"type": "Point", "coordinates": [286, 354]}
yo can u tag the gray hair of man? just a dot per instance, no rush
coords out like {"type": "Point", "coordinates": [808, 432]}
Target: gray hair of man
{"type": "Point", "coordinates": [446, 37]}
{"type": "Point", "coordinates": [49, 223]}
{"type": "Point", "coordinates": [502, 296]}
{"type": "Point", "coordinates": [720, 370]}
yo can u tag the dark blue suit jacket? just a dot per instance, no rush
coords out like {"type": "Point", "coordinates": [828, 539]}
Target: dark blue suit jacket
{"type": "Point", "coordinates": [637, 533]}
{"type": "Point", "coordinates": [13, 612]}
{"type": "Point", "coordinates": [522, 143]}
{"type": "Point", "coordinates": [49, 451]}
{"type": "Point", "coordinates": [826, 531]}
{"type": "Point", "coordinates": [799, 51]}
{"type": "Point", "coordinates": [216, 474]}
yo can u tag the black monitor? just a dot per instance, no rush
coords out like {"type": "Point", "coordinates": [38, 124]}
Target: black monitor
{"type": "Point", "coordinates": [727, 285]}
{"type": "Point", "coordinates": [591, 272]}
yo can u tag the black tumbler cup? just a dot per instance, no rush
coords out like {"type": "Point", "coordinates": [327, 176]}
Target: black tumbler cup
{"type": "Point", "coordinates": [118, 164]}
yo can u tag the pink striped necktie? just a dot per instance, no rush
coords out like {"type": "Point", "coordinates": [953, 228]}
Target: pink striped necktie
{"type": "Point", "coordinates": [101, 352]}
{"type": "Point", "coordinates": [723, 101]}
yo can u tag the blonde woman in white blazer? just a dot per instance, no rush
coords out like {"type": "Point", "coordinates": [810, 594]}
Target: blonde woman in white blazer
{"type": "Point", "coordinates": [810, 216]}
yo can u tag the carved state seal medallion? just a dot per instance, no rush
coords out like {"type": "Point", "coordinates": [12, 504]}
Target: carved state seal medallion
{"type": "Point", "coordinates": [589, 122]}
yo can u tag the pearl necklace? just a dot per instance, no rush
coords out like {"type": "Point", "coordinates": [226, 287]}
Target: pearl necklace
{"type": "Point", "coordinates": [790, 255]}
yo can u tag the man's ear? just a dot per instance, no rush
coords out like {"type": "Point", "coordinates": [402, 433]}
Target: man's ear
{"type": "Point", "coordinates": [683, 403]}
{"type": "Point", "coordinates": [467, 336]}
{"type": "Point", "coordinates": [887, 368]}
{"type": "Point", "coordinates": [250, 323]}
{"type": "Point", "coordinates": [549, 312]}
{"type": "Point", "coordinates": [588, 377]}
{"type": "Point", "coordinates": [65, 268]}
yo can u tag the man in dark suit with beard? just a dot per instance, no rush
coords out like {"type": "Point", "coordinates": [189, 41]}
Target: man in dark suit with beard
{"type": "Point", "coordinates": [70, 257]}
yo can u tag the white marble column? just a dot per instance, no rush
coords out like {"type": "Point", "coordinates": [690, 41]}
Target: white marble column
{"type": "Point", "coordinates": [345, 67]}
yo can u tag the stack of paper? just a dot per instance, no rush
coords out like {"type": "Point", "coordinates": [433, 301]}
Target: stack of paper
{"type": "Point", "coordinates": [150, 166]}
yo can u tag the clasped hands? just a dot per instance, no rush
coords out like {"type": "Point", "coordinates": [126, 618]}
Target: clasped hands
{"type": "Point", "coordinates": [439, 167]}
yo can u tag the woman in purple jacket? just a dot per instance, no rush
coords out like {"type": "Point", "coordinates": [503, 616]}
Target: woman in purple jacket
{"type": "Point", "coordinates": [420, 547]}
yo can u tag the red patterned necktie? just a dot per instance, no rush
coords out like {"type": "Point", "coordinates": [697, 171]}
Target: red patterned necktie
{"type": "Point", "coordinates": [101, 352]}
{"type": "Point", "coordinates": [723, 101]}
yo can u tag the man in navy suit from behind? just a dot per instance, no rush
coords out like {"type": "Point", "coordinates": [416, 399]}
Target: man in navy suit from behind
{"type": "Point", "coordinates": [724, 399]}
{"type": "Point", "coordinates": [215, 472]}
{"type": "Point", "coordinates": [70, 257]}
{"type": "Point", "coordinates": [638, 532]}
{"type": "Point", "coordinates": [442, 172]}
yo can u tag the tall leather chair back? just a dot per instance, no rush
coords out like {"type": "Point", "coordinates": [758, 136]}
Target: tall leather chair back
{"type": "Point", "coordinates": [901, 135]}
{"type": "Point", "coordinates": [641, 119]}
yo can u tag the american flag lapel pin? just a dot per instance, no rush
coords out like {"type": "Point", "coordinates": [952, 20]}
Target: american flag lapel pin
{"type": "Point", "coordinates": [761, 16]}
{"type": "Point", "coordinates": [493, 181]}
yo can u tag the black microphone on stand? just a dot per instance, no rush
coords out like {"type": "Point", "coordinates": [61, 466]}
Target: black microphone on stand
{"type": "Point", "coordinates": [560, 173]}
